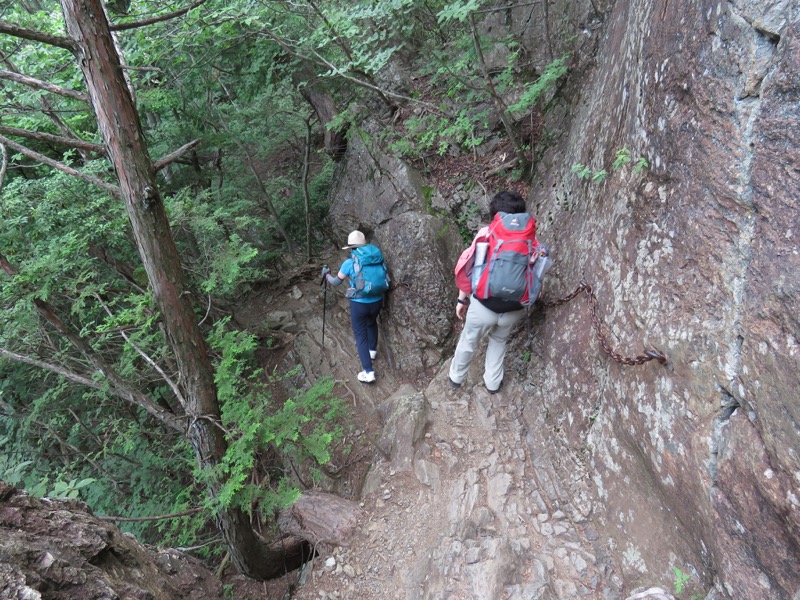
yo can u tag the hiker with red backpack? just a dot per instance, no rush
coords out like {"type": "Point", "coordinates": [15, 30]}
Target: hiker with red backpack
{"type": "Point", "coordinates": [369, 280]}
{"type": "Point", "coordinates": [495, 282]}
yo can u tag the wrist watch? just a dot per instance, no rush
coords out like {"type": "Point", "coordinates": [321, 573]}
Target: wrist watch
{"type": "Point", "coordinates": [463, 300]}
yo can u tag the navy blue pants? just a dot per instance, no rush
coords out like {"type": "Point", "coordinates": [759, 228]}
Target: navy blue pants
{"type": "Point", "coordinates": [364, 317]}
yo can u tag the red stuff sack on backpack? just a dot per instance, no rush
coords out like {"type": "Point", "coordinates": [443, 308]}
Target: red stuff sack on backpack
{"type": "Point", "coordinates": [507, 273]}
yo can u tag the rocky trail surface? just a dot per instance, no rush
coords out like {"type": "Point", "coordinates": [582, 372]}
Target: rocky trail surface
{"type": "Point", "coordinates": [460, 501]}
{"type": "Point", "coordinates": [462, 513]}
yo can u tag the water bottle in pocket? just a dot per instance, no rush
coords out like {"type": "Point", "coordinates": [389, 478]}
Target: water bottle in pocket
{"type": "Point", "coordinates": [541, 266]}
{"type": "Point", "coordinates": [481, 248]}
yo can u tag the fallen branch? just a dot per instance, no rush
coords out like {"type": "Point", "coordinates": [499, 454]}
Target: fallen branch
{"type": "Point", "coordinates": [43, 85]}
{"type": "Point", "coordinates": [504, 167]}
{"type": "Point", "coordinates": [112, 189]}
{"type": "Point", "coordinates": [221, 568]}
{"type": "Point", "coordinates": [53, 139]}
{"type": "Point", "coordinates": [185, 513]}
{"type": "Point", "coordinates": [173, 156]}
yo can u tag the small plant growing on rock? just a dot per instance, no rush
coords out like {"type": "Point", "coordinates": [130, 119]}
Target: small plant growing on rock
{"type": "Point", "coordinates": [622, 158]}
{"type": "Point", "coordinates": [680, 579]}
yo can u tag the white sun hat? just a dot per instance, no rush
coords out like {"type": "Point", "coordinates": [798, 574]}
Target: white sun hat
{"type": "Point", "coordinates": [354, 240]}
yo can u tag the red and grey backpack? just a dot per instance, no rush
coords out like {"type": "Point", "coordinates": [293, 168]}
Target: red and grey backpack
{"type": "Point", "coordinates": [507, 272]}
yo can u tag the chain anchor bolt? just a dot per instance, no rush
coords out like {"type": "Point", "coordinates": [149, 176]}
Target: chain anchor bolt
{"type": "Point", "coordinates": [656, 356]}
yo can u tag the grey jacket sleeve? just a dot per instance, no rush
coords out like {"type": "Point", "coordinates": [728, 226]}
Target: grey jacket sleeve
{"type": "Point", "coordinates": [333, 280]}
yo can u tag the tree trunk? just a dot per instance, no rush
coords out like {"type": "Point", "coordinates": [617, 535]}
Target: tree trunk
{"type": "Point", "coordinates": [499, 105]}
{"type": "Point", "coordinates": [121, 129]}
{"type": "Point", "coordinates": [306, 197]}
{"type": "Point", "coordinates": [325, 108]}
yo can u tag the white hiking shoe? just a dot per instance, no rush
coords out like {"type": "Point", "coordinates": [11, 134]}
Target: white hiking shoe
{"type": "Point", "coordinates": [365, 377]}
{"type": "Point", "coordinates": [373, 354]}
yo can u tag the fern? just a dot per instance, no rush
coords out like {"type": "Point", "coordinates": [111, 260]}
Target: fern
{"type": "Point", "coordinates": [546, 82]}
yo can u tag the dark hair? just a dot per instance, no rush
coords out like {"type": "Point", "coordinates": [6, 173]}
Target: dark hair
{"type": "Point", "coordinates": [507, 202]}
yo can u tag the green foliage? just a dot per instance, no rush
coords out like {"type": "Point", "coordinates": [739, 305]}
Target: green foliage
{"type": "Point", "coordinates": [543, 85]}
{"type": "Point", "coordinates": [681, 579]}
{"type": "Point", "coordinates": [69, 489]}
{"type": "Point", "coordinates": [222, 81]}
{"type": "Point", "coordinates": [355, 37]}
{"type": "Point", "coordinates": [319, 185]}
{"type": "Point", "coordinates": [641, 164]}
{"type": "Point", "coordinates": [458, 11]}
{"type": "Point", "coordinates": [10, 472]}
{"type": "Point", "coordinates": [60, 436]}
{"type": "Point", "coordinates": [44, 62]}
{"type": "Point", "coordinates": [456, 113]}
{"type": "Point", "coordinates": [226, 80]}
{"type": "Point", "coordinates": [438, 133]}
{"type": "Point", "coordinates": [302, 427]}
{"type": "Point", "coordinates": [582, 171]}
{"type": "Point", "coordinates": [79, 443]}
{"type": "Point", "coordinates": [621, 158]}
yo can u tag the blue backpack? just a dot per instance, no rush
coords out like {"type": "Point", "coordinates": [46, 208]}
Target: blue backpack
{"type": "Point", "coordinates": [371, 275]}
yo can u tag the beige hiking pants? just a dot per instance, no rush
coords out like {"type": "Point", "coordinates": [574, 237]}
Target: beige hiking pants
{"type": "Point", "coordinates": [481, 321]}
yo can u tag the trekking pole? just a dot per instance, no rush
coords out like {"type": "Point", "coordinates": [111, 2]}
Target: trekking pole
{"type": "Point", "coordinates": [324, 283]}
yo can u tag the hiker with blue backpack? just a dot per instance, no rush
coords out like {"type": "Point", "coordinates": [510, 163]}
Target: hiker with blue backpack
{"type": "Point", "coordinates": [496, 281]}
{"type": "Point", "coordinates": [369, 281]}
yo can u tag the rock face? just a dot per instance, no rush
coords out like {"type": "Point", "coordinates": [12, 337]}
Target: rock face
{"type": "Point", "coordinates": [57, 549]}
{"type": "Point", "coordinates": [694, 465]}
{"type": "Point", "coordinates": [385, 199]}
{"type": "Point", "coordinates": [405, 418]}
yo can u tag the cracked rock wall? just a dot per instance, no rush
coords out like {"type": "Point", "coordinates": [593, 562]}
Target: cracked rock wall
{"type": "Point", "coordinates": [385, 198]}
{"type": "Point", "coordinates": [694, 465]}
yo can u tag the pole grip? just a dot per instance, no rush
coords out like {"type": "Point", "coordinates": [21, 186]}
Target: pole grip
{"type": "Point", "coordinates": [324, 277]}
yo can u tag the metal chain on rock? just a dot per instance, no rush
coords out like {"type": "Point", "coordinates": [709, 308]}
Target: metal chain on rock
{"type": "Point", "coordinates": [582, 288]}
{"type": "Point", "coordinates": [604, 343]}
